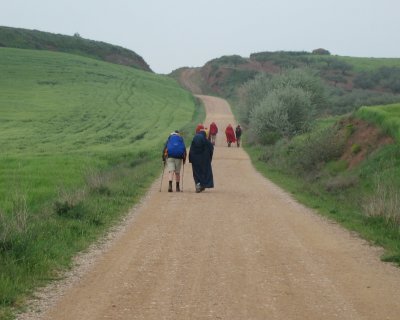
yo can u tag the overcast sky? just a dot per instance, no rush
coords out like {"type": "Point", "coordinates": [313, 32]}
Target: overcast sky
{"type": "Point", "coordinates": [170, 34]}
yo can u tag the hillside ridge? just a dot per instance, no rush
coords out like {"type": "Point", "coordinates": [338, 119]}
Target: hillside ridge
{"type": "Point", "coordinates": [40, 40]}
{"type": "Point", "coordinates": [351, 82]}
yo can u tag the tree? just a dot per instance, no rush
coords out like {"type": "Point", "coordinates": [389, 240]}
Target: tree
{"type": "Point", "coordinates": [321, 51]}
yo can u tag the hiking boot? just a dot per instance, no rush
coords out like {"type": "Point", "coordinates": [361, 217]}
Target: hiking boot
{"type": "Point", "coordinates": [198, 188]}
{"type": "Point", "coordinates": [170, 186]}
{"type": "Point", "coordinates": [177, 187]}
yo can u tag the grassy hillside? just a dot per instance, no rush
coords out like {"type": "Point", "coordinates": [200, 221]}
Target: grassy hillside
{"type": "Point", "coordinates": [80, 142]}
{"type": "Point", "coordinates": [370, 64]}
{"type": "Point", "coordinates": [386, 117]}
{"type": "Point", "coordinates": [350, 82]}
{"type": "Point", "coordinates": [38, 40]}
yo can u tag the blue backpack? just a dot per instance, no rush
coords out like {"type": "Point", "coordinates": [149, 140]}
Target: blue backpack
{"type": "Point", "coordinates": [176, 147]}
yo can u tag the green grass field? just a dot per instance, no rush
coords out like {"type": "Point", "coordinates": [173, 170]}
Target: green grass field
{"type": "Point", "coordinates": [369, 64]}
{"type": "Point", "coordinates": [386, 117]}
{"type": "Point", "coordinates": [60, 113]}
{"type": "Point", "coordinates": [80, 141]}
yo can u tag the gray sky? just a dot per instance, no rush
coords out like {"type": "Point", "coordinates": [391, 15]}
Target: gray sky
{"type": "Point", "coordinates": [170, 34]}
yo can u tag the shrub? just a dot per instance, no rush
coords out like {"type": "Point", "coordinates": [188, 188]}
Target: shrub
{"type": "Point", "coordinates": [364, 81]}
{"type": "Point", "coordinates": [69, 204]}
{"type": "Point", "coordinates": [304, 79]}
{"type": "Point", "coordinates": [321, 51]}
{"type": "Point", "coordinates": [14, 224]}
{"type": "Point", "coordinates": [384, 202]}
{"type": "Point", "coordinates": [355, 148]}
{"type": "Point", "coordinates": [308, 153]}
{"type": "Point", "coordinates": [232, 60]}
{"type": "Point", "coordinates": [341, 101]}
{"type": "Point", "coordinates": [269, 138]}
{"type": "Point", "coordinates": [251, 93]}
{"type": "Point", "coordinates": [286, 111]}
{"type": "Point", "coordinates": [269, 116]}
{"type": "Point", "coordinates": [97, 182]}
{"type": "Point", "coordinates": [385, 77]}
{"type": "Point", "coordinates": [340, 183]}
{"type": "Point", "coordinates": [350, 129]}
{"type": "Point", "coordinates": [336, 167]}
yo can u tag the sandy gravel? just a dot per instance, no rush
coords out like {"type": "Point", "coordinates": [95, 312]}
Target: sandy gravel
{"type": "Point", "coordinates": [244, 250]}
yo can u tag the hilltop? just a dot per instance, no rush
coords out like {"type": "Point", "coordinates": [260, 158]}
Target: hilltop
{"type": "Point", "coordinates": [39, 40]}
{"type": "Point", "coordinates": [350, 81]}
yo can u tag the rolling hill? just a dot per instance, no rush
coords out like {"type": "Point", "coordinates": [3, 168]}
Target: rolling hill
{"type": "Point", "coordinates": [39, 40]}
{"type": "Point", "coordinates": [350, 82]}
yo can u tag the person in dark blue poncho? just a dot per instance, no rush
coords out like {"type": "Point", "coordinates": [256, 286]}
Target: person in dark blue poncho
{"type": "Point", "coordinates": [200, 156]}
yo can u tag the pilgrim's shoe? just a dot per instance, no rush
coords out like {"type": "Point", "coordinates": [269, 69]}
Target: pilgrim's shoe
{"type": "Point", "coordinates": [198, 188]}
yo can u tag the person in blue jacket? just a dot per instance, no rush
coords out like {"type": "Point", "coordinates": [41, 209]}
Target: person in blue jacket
{"type": "Point", "coordinates": [174, 154]}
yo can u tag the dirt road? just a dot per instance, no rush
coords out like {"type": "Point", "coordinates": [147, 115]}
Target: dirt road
{"type": "Point", "coordinates": [244, 250]}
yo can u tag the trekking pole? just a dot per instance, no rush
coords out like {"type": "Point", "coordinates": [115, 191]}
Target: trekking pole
{"type": "Point", "coordinates": [183, 173]}
{"type": "Point", "coordinates": [162, 175]}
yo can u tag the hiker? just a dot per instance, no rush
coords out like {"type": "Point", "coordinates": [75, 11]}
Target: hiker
{"type": "Point", "coordinates": [230, 135]}
{"type": "Point", "coordinates": [200, 156]}
{"type": "Point", "coordinates": [238, 132]}
{"type": "Point", "coordinates": [199, 127]}
{"type": "Point", "coordinates": [174, 153]}
{"type": "Point", "coordinates": [213, 132]}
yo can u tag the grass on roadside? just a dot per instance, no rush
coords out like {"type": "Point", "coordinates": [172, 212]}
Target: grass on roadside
{"type": "Point", "coordinates": [349, 195]}
{"type": "Point", "coordinates": [386, 117]}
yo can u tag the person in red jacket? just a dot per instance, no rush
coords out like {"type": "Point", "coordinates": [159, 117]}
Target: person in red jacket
{"type": "Point", "coordinates": [230, 135]}
{"type": "Point", "coordinates": [213, 132]}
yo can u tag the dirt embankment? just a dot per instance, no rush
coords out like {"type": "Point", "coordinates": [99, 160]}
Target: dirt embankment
{"type": "Point", "coordinates": [364, 138]}
{"type": "Point", "coordinates": [243, 250]}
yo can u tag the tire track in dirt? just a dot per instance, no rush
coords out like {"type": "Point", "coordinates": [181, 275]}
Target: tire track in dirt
{"type": "Point", "coordinates": [244, 250]}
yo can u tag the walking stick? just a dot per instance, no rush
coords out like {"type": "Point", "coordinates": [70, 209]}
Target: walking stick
{"type": "Point", "coordinates": [183, 173]}
{"type": "Point", "coordinates": [162, 175]}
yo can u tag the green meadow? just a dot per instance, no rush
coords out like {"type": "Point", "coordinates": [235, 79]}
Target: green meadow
{"type": "Point", "coordinates": [370, 64]}
{"type": "Point", "coordinates": [80, 142]}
